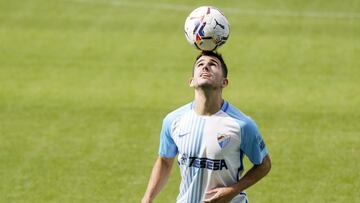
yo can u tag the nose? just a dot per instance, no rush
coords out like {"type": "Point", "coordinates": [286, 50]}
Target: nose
{"type": "Point", "coordinates": [206, 67]}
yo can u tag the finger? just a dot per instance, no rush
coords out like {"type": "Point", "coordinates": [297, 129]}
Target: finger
{"type": "Point", "coordinates": [211, 191]}
{"type": "Point", "coordinates": [209, 200]}
{"type": "Point", "coordinates": [212, 199]}
{"type": "Point", "coordinates": [210, 196]}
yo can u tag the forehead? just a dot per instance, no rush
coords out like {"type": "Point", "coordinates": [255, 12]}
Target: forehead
{"type": "Point", "coordinates": [208, 58]}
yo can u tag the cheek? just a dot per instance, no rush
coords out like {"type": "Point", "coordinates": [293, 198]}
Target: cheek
{"type": "Point", "coordinates": [197, 75]}
{"type": "Point", "coordinates": [218, 74]}
{"type": "Point", "coordinates": [197, 71]}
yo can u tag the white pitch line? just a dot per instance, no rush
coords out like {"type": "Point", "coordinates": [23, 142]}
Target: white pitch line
{"type": "Point", "coordinates": [280, 13]}
{"type": "Point", "coordinates": [249, 12]}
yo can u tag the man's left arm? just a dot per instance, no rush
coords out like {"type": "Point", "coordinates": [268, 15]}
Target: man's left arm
{"type": "Point", "coordinates": [226, 194]}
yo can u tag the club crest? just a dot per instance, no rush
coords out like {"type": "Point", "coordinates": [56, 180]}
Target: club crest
{"type": "Point", "coordinates": [223, 140]}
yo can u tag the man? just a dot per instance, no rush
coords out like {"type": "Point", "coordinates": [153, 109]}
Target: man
{"type": "Point", "coordinates": [210, 137]}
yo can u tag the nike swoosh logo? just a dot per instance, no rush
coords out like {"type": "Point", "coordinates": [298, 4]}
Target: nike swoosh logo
{"type": "Point", "coordinates": [183, 134]}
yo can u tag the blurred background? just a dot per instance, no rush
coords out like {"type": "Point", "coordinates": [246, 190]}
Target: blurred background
{"type": "Point", "coordinates": [85, 84]}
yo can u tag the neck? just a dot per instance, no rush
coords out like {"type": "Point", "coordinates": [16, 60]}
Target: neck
{"type": "Point", "coordinates": [207, 102]}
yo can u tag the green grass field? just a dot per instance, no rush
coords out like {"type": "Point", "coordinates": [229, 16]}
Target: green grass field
{"type": "Point", "coordinates": [85, 84]}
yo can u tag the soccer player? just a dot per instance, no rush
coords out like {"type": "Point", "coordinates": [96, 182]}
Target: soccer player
{"type": "Point", "coordinates": [210, 137]}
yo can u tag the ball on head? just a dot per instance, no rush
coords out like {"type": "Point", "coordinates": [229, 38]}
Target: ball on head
{"type": "Point", "coordinates": [207, 28]}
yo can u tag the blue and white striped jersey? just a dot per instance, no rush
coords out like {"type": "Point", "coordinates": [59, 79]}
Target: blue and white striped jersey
{"type": "Point", "coordinates": [210, 149]}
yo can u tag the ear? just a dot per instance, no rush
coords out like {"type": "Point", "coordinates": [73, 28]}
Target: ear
{"type": "Point", "coordinates": [225, 82]}
{"type": "Point", "coordinates": [191, 82]}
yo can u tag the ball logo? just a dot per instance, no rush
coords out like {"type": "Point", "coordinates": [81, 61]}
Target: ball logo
{"type": "Point", "coordinates": [223, 140]}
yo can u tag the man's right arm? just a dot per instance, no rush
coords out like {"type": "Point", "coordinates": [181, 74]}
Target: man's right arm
{"type": "Point", "coordinates": [159, 176]}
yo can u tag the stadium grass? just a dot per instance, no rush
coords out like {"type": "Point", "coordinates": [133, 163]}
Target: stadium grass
{"type": "Point", "coordinates": [84, 86]}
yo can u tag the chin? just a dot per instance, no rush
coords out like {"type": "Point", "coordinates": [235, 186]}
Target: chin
{"type": "Point", "coordinates": [206, 86]}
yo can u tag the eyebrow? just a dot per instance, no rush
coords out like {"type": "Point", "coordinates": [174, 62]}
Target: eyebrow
{"type": "Point", "coordinates": [211, 59]}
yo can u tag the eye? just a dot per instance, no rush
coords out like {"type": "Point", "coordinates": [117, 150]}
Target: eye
{"type": "Point", "coordinates": [212, 64]}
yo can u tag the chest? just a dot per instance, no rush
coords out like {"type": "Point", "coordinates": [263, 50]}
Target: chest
{"type": "Point", "coordinates": [211, 137]}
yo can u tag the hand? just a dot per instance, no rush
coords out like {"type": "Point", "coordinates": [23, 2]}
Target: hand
{"type": "Point", "coordinates": [220, 195]}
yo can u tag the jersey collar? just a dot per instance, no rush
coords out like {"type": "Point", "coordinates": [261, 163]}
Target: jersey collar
{"type": "Point", "coordinates": [223, 108]}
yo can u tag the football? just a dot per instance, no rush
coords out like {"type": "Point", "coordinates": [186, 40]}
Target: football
{"type": "Point", "coordinates": [206, 28]}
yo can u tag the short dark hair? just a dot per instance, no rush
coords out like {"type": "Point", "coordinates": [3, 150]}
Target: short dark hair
{"type": "Point", "coordinates": [216, 55]}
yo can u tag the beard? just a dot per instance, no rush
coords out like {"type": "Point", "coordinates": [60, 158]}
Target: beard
{"type": "Point", "coordinates": [206, 85]}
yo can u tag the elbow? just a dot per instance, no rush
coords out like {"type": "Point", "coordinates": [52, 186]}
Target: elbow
{"type": "Point", "coordinates": [267, 163]}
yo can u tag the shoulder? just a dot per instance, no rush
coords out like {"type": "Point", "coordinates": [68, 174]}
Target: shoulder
{"type": "Point", "coordinates": [170, 117]}
{"type": "Point", "coordinates": [245, 121]}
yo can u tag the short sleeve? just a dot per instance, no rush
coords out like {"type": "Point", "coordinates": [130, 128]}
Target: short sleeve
{"type": "Point", "coordinates": [252, 143]}
{"type": "Point", "coordinates": [167, 146]}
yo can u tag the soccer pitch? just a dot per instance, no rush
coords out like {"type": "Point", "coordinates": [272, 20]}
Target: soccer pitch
{"type": "Point", "coordinates": [85, 84]}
